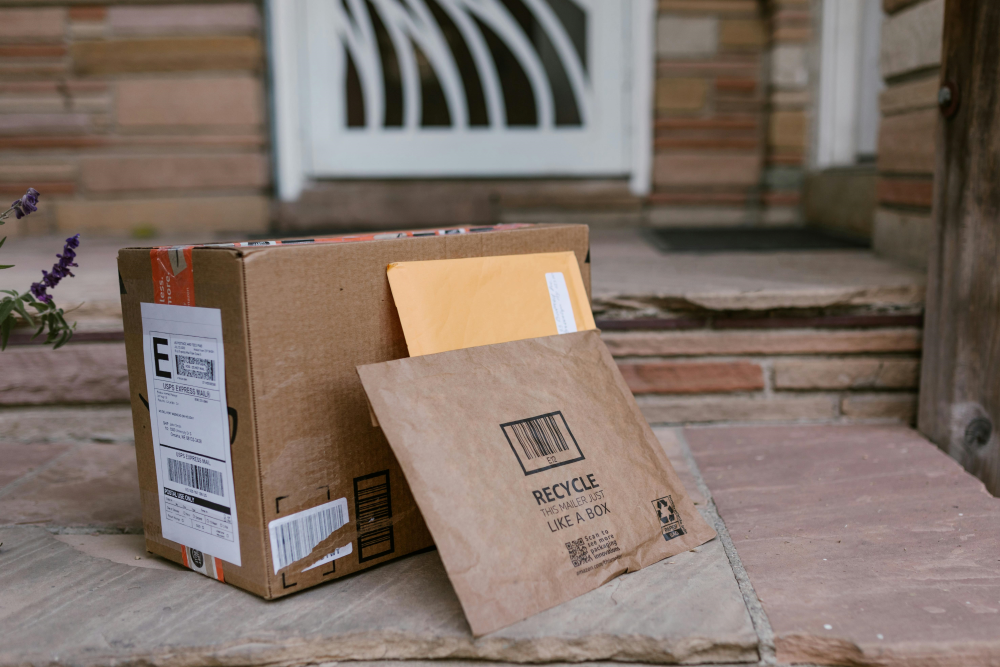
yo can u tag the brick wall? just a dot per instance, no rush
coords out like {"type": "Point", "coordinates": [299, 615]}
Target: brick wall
{"type": "Point", "coordinates": [910, 62]}
{"type": "Point", "coordinates": [699, 376]}
{"type": "Point", "coordinates": [788, 374]}
{"type": "Point", "coordinates": [708, 152]}
{"type": "Point", "coordinates": [135, 118]}
{"type": "Point", "coordinates": [790, 100]}
{"type": "Point", "coordinates": [143, 118]}
{"type": "Point", "coordinates": [731, 123]}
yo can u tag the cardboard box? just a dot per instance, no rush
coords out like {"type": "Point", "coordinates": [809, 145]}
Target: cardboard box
{"type": "Point", "coordinates": [293, 321]}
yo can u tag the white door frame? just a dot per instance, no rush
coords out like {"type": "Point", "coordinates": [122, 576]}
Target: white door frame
{"type": "Point", "coordinates": [286, 30]}
{"type": "Point", "coordinates": [849, 82]}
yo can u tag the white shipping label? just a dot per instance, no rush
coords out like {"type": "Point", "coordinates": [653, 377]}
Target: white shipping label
{"type": "Point", "coordinates": [186, 381]}
{"type": "Point", "coordinates": [562, 307]}
{"type": "Point", "coordinates": [294, 536]}
{"type": "Point", "coordinates": [339, 552]}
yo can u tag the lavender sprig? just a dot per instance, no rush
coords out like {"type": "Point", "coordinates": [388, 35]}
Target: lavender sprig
{"type": "Point", "coordinates": [26, 204]}
{"type": "Point", "coordinates": [21, 207]}
{"type": "Point", "coordinates": [49, 316]}
{"type": "Point", "coordinates": [60, 270]}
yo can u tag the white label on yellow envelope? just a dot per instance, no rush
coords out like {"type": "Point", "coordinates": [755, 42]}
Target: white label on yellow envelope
{"type": "Point", "coordinates": [562, 307]}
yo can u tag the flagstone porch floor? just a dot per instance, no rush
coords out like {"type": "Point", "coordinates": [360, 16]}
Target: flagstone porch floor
{"type": "Point", "coordinates": [848, 545]}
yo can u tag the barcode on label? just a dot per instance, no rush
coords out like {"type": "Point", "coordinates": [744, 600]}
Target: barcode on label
{"type": "Point", "coordinates": [373, 504]}
{"type": "Point", "coordinates": [539, 436]}
{"type": "Point", "coordinates": [195, 367]}
{"type": "Point", "coordinates": [197, 477]}
{"type": "Point", "coordinates": [542, 442]}
{"type": "Point", "coordinates": [294, 537]}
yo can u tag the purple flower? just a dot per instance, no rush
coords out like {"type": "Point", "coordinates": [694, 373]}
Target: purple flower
{"type": "Point", "coordinates": [60, 269]}
{"type": "Point", "coordinates": [26, 204]}
{"type": "Point", "coordinates": [30, 200]}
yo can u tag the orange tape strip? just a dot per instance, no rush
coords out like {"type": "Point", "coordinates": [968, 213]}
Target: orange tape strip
{"type": "Point", "coordinates": [173, 275]}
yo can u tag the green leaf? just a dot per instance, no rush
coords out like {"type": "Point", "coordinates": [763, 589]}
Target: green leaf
{"type": "Point", "coordinates": [2, 240]}
{"type": "Point", "coordinates": [6, 266]}
{"type": "Point", "coordinates": [5, 328]}
{"type": "Point", "coordinates": [63, 339]}
{"type": "Point", "coordinates": [6, 306]}
{"type": "Point", "coordinates": [23, 312]}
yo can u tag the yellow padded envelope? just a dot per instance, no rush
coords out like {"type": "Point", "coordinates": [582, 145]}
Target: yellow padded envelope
{"type": "Point", "coordinates": [450, 304]}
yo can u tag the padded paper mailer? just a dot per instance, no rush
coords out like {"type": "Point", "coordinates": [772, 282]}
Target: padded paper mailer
{"type": "Point", "coordinates": [450, 304]}
{"type": "Point", "coordinates": [537, 475]}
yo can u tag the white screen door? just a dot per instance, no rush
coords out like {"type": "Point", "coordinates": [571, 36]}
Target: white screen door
{"type": "Point", "coordinates": [453, 88]}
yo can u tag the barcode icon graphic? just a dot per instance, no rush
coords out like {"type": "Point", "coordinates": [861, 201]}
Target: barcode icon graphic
{"type": "Point", "coordinates": [197, 477]}
{"type": "Point", "coordinates": [542, 442]}
{"type": "Point", "coordinates": [539, 436]}
{"type": "Point", "coordinates": [373, 507]}
{"type": "Point", "coordinates": [195, 367]}
{"type": "Point", "coordinates": [294, 537]}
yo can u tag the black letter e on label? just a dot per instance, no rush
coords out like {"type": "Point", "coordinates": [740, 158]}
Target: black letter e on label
{"type": "Point", "coordinates": [157, 356]}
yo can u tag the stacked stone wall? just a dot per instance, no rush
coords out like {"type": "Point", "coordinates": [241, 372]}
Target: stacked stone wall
{"type": "Point", "coordinates": [135, 118]}
{"type": "Point", "coordinates": [910, 63]}
{"type": "Point", "coordinates": [731, 125]}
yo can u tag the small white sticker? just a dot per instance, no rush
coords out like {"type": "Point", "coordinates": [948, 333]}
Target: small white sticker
{"type": "Point", "coordinates": [294, 536]}
{"type": "Point", "coordinates": [562, 307]}
{"type": "Point", "coordinates": [186, 383]}
{"type": "Point", "coordinates": [339, 552]}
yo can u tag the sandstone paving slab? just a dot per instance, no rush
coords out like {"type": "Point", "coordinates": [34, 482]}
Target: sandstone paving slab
{"type": "Point", "coordinates": [90, 486]}
{"type": "Point", "coordinates": [477, 663]}
{"type": "Point", "coordinates": [673, 446]}
{"type": "Point", "coordinates": [77, 373]}
{"type": "Point", "coordinates": [627, 270]}
{"type": "Point", "coordinates": [19, 459]}
{"type": "Point", "coordinates": [59, 604]}
{"type": "Point", "coordinates": [866, 545]}
{"type": "Point", "coordinates": [100, 603]}
{"type": "Point", "coordinates": [125, 548]}
{"type": "Point", "coordinates": [67, 424]}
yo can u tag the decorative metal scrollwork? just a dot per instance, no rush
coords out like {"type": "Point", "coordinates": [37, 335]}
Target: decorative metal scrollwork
{"type": "Point", "coordinates": [415, 64]}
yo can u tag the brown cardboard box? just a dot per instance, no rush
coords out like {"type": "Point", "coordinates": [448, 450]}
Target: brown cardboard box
{"type": "Point", "coordinates": [296, 320]}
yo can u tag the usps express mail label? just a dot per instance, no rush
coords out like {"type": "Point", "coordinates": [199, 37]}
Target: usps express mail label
{"type": "Point", "coordinates": [186, 380]}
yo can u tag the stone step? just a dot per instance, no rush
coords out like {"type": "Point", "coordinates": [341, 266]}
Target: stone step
{"type": "Point", "coordinates": [686, 609]}
{"type": "Point", "coordinates": [85, 599]}
{"type": "Point", "coordinates": [722, 337]}
{"type": "Point", "coordinates": [841, 545]}
{"type": "Point", "coordinates": [866, 545]}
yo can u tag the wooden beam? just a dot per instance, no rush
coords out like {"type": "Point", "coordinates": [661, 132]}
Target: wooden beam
{"type": "Point", "coordinates": [960, 388]}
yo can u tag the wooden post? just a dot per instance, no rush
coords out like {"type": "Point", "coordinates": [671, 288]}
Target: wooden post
{"type": "Point", "coordinates": [960, 383]}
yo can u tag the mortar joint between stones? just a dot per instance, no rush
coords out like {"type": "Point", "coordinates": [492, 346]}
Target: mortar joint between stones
{"type": "Point", "coordinates": [761, 624]}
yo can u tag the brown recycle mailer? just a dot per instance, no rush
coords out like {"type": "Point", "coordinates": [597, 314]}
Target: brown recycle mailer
{"type": "Point", "coordinates": [535, 471]}
{"type": "Point", "coordinates": [283, 452]}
